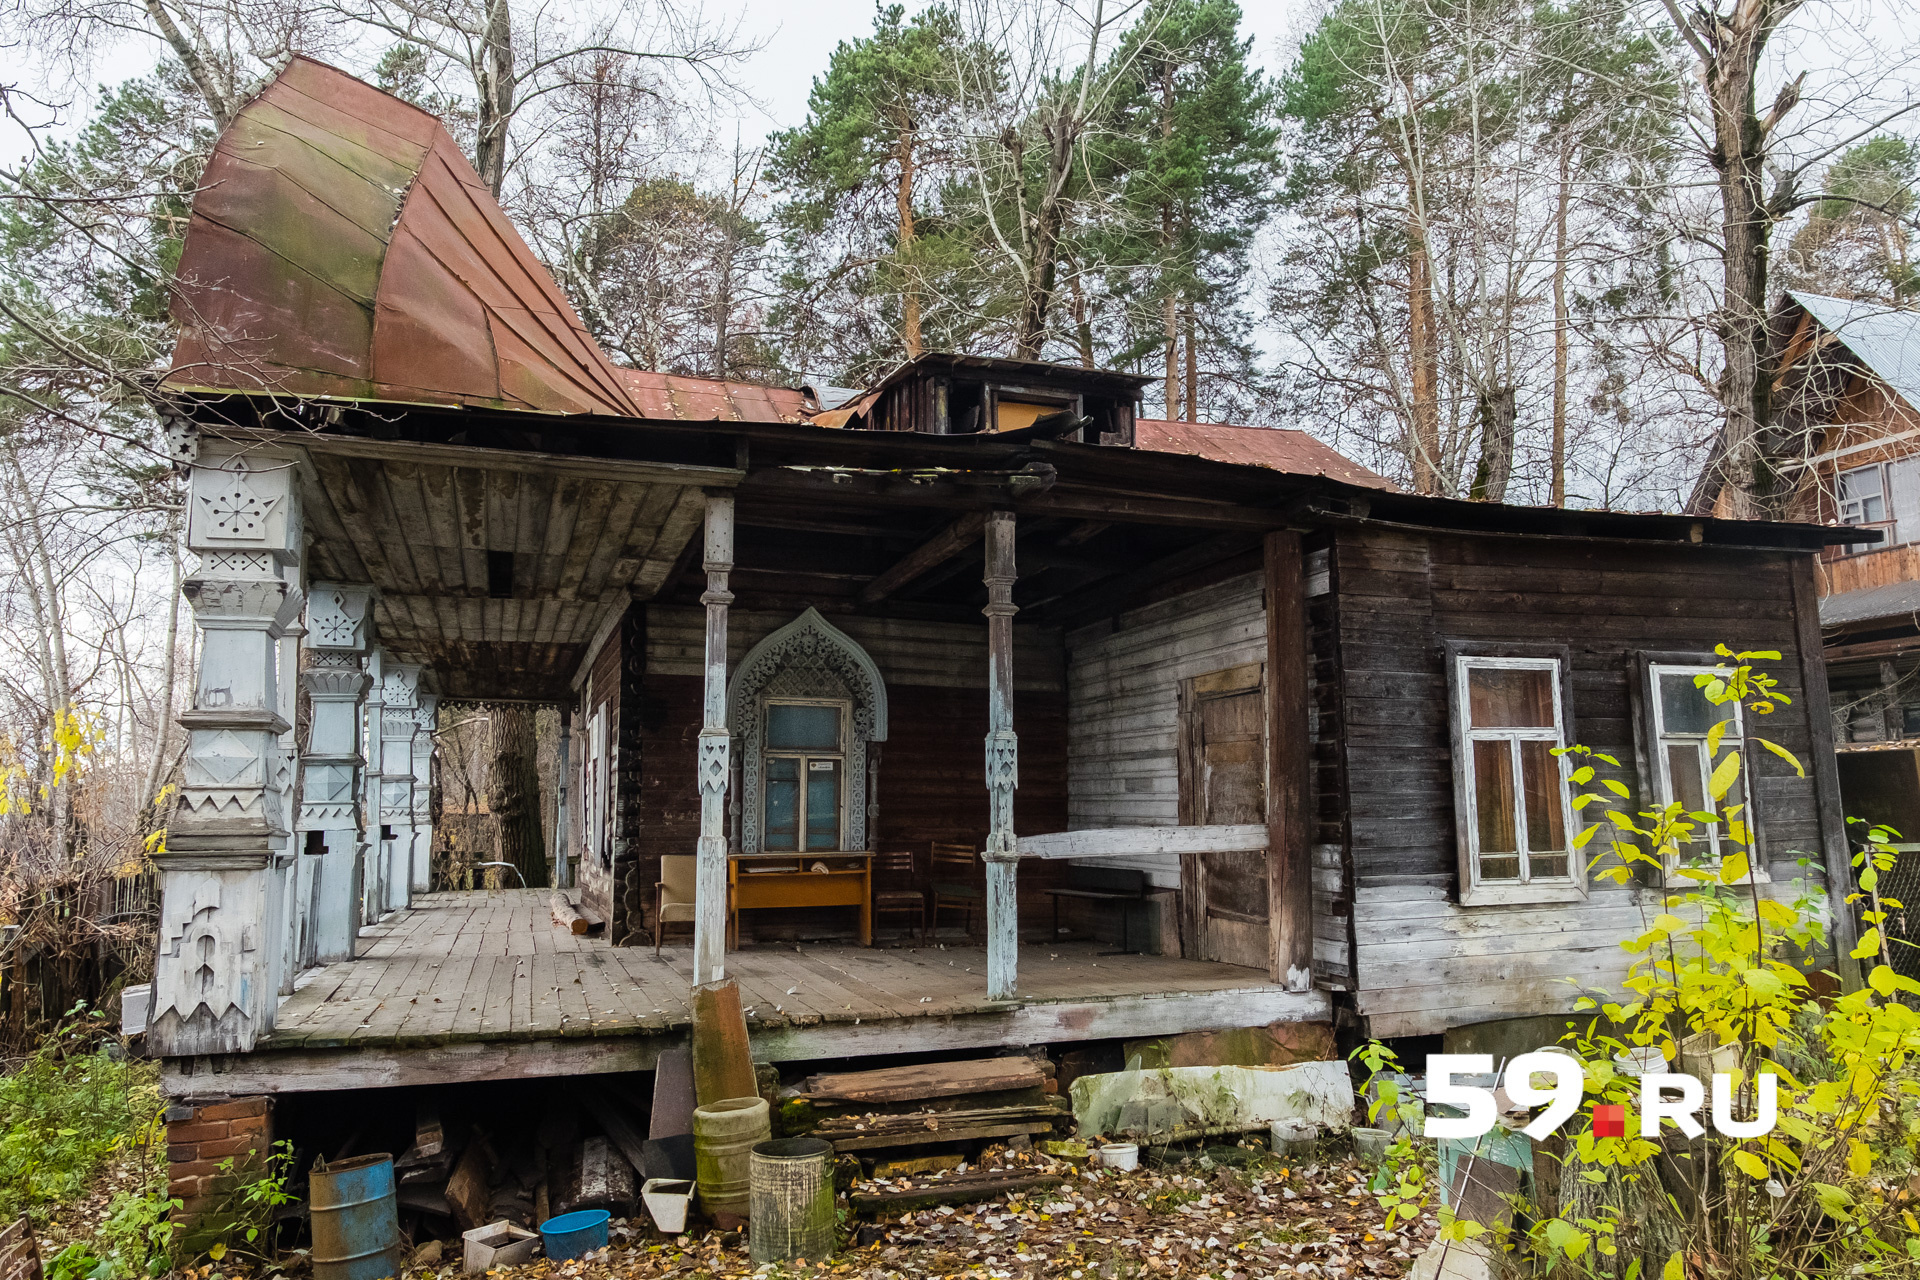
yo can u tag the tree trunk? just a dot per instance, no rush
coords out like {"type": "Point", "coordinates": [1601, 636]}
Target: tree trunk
{"type": "Point", "coordinates": [219, 97]}
{"type": "Point", "coordinates": [1170, 320]}
{"type": "Point", "coordinates": [496, 86]}
{"type": "Point", "coordinates": [1082, 319]}
{"type": "Point", "coordinates": [513, 793]}
{"type": "Point", "coordinates": [1193, 366]}
{"type": "Point", "coordinates": [1496, 413]}
{"type": "Point", "coordinates": [1560, 336]}
{"type": "Point", "coordinates": [163, 720]}
{"type": "Point", "coordinates": [1423, 351]}
{"type": "Point", "coordinates": [903, 248]}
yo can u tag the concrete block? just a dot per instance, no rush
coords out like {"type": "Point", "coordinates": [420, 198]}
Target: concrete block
{"type": "Point", "coordinates": [1228, 1099]}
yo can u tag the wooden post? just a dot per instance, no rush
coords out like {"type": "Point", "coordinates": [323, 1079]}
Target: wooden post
{"type": "Point", "coordinates": [400, 694]}
{"type": "Point", "coordinates": [1837, 854]}
{"type": "Point", "coordinates": [562, 829]}
{"type": "Point", "coordinates": [426, 718]}
{"type": "Point", "coordinates": [1289, 777]}
{"type": "Point", "coordinates": [710, 884]}
{"type": "Point", "coordinates": [331, 820]}
{"type": "Point", "coordinates": [1003, 763]}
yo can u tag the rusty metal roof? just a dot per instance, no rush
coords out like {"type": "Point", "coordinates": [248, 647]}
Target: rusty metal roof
{"type": "Point", "coordinates": [667, 395]}
{"type": "Point", "coordinates": [342, 246]}
{"type": "Point", "coordinates": [1276, 448]}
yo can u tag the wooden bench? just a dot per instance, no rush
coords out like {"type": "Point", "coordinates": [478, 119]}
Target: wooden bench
{"type": "Point", "coordinates": [1104, 884]}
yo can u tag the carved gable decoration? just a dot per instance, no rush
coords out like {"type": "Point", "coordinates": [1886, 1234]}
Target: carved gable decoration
{"type": "Point", "coordinates": [807, 658]}
{"type": "Point", "coordinates": [338, 616]}
{"type": "Point", "coordinates": [238, 505]}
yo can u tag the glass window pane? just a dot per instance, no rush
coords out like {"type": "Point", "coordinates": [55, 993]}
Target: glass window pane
{"type": "Point", "coordinates": [823, 804]}
{"type": "Point", "coordinates": [1502, 698]}
{"type": "Point", "coordinates": [1546, 823]}
{"type": "Point", "coordinates": [1688, 786]}
{"type": "Point", "coordinates": [1493, 795]}
{"type": "Point", "coordinates": [783, 803]}
{"type": "Point", "coordinates": [1684, 708]}
{"type": "Point", "coordinates": [793, 727]}
{"type": "Point", "coordinates": [1547, 866]}
{"type": "Point", "coordinates": [1505, 866]}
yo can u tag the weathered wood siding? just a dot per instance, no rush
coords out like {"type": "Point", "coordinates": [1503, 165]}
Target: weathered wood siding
{"type": "Point", "coordinates": [600, 692]}
{"type": "Point", "coordinates": [1424, 963]}
{"type": "Point", "coordinates": [1123, 734]}
{"type": "Point", "coordinates": [931, 774]}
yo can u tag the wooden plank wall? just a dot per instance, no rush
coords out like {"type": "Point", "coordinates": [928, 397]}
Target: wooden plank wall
{"type": "Point", "coordinates": [1423, 962]}
{"type": "Point", "coordinates": [1123, 731]}
{"type": "Point", "coordinates": [931, 772]}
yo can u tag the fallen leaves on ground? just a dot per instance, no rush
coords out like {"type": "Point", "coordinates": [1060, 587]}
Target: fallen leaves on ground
{"type": "Point", "coordinates": [1266, 1219]}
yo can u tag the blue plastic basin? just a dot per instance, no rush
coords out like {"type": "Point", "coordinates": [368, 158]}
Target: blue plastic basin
{"type": "Point", "coordinates": [572, 1234]}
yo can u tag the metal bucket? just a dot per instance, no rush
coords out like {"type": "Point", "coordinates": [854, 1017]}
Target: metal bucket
{"type": "Point", "coordinates": [792, 1200]}
{"type": "Point", "coordinates": [723, 1133]}
{"type": "Point", "coordinates": [356, 1229]}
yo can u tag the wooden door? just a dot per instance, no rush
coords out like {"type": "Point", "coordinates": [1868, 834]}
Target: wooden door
{"type": "Point", "coordinates": [1223, 781]}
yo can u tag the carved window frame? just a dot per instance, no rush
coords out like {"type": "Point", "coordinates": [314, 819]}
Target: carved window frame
{"type": "Point", "coordinates": [811, 640]}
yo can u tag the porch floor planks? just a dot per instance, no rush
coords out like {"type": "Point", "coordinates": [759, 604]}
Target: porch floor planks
{"type": "Point", "coordinates": [500, 970]}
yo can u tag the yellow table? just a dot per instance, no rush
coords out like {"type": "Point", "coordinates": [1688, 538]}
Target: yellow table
{"type": "Point", "coordinates": [761, 880]}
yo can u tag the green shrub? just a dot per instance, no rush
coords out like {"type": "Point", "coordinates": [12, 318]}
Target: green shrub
{"type": "Point", "coordinates": [62, 1116]}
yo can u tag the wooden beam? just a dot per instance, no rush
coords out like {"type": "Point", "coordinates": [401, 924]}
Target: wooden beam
{"type": "Point", "coordinates": [1145, 842]}
{"type": "Point", "coordinates": [473, 457]}
{"type": "Point", "coordinates": [937, 550]}
{"type": "Point", "coordinates": [1001, 855]}
{"type": "Point", "coordinates": [715, 765]}
{"type": "Point", "coordinates": [1836, 852]}
{"type": "Point", "coordinates": [1109, 593]}
{"type": "Point", "coordinates": [1289, 766]}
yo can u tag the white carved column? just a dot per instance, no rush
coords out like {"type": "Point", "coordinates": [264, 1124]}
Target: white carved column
{"type": "Point", "coordinates": [1003, 763]}
{"type": "Point", "coordinates": [400, 690]}
{"type": "Point", "coordinates": [215, 969]}
{"type": "Point", "coordinates": [339, 625]}
{"type": "Point", "coordinates": [285, 924]}
{"type": "Point", "coordinates": [373, 853]}
{"type": "Point", "coordinates": [426, 720]}
{"type": "Point", "coordinates": [710, 883]}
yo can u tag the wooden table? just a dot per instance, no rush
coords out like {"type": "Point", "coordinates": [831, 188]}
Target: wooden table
{"type": "Point", "coordinates": [760, 880]}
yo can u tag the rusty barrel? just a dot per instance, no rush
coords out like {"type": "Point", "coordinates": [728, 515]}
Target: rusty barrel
{"type": "Point", "coordinates": [356, 1228]}
{"type": "Point", "coordinates": [723, 1133]}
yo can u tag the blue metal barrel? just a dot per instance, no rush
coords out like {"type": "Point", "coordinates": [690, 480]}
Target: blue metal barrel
{"type": "Point", "coordinates": [356, 1228]}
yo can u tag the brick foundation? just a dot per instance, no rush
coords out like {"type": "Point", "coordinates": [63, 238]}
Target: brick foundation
{"type": "Point", "coordinates": [204, 1133]}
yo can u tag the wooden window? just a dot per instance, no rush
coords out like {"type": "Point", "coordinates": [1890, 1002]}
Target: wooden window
{"type": "Point", "coordinates": [1681, 765]}
{"type": "Point", "coordinates": [805, 764]}
{"type": "Point", "coordinates": [597, 799]}
{"type": "Point", "coordinates": [1883, 496]}
{"type": "Point", "coordinates": [1512, 809]}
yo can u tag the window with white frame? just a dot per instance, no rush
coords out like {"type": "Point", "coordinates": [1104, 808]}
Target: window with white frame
{"type": "Point", "coordinates": [1683, 721]}
{"type": "Point", "coordinates": [1514, 814]}
{"type": "Point", "coordinates": [1883, 496]}
{"type": "Point", "coordinates": [804, 762]}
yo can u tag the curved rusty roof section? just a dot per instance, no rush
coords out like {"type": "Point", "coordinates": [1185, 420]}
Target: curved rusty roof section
{"type": "Point", "coordinates": [342, 246]}
{"type": "Point", "coordinates": [1276, 448]}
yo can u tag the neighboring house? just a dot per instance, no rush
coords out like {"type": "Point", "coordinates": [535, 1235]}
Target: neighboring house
{"type": "Point", "coordinates": [1847, 396]}
{"type": "Point", "coordinates": [1298, 726]}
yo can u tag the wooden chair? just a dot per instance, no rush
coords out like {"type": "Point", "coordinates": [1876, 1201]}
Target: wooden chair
{"type": "Point", "coordinates": [957, 882]}
{"type": "Point", "coordinates": [673, 896]}
{"type": "Point", "coordinates": [895, 888]}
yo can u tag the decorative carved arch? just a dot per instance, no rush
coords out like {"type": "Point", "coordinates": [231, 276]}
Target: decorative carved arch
{"type": "Point", "coordinates": [807, 658]}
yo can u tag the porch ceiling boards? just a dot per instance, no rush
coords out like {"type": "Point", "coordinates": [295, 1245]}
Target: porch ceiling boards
{"type": "Point", "coordinates": [496, 568]}
{"type": "Point", "coordinates": [482, 985]}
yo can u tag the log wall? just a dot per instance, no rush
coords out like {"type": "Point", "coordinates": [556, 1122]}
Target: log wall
{"type": "Point", "coordinates": [1424, 963]}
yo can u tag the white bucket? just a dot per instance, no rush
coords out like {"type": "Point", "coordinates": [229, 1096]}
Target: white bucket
{"type": "Point", "coordinates": [666, 1201]}
{"type": "Point", "coordinates": [1120, 1155]}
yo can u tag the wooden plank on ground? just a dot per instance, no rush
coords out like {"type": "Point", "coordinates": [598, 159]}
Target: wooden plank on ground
{"type": "Point", "coordinates": [927, 1080]}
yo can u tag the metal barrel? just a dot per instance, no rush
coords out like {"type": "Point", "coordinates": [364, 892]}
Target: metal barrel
{"type": "Point", "coordinates": [356, 1227]}
{"type": "Point", "coordinates": [792, 1200]}
{"type": "Point", "coordinates": [723, 1133]}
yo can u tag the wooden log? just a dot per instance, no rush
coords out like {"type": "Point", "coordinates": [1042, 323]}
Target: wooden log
{"type": "Point", "coordinates": [950, 1191]}
{"type": "Point", "coordinates": [467, 1189]}
{"type": "Point", "coordinates": [606, 1113]}
{"type": "Point", "coordinates": [926, 1137]}
{"type": "Point", "coordinates": [937, 550]}
{"type": "Point", "coordinates": [566, 916]}
{"type": "Point", "coordinates": [926, 1080]}
{"type": "Point", "coordinates": [840, 1126]}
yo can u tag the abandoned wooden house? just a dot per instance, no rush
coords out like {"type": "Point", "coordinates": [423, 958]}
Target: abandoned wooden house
{"type": "Point", "coordinates": [974, 650]}
{"type": "Point", "coordinates": [1847, 395]}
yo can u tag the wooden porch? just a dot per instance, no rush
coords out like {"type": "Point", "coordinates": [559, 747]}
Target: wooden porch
{"type": "Point", "coordinates": [483, 986]}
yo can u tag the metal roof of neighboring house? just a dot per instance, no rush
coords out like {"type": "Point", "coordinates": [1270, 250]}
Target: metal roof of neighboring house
{"type": "Point", "coordinates": [1276, 448]}
{"type": "Point", "coordinates": [1870, 604]}
{"type": "Point", "coordinates": [341, 245]}
{"type": "Point", "coordinates": [1886, 339]}
{"type": "Point", "coordinates": [668, 395]}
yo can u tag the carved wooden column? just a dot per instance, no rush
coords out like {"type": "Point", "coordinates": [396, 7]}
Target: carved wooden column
{"type": "Point", "coordinates": [400, 690]}
{"type": "Point", "coordinates": [373, 851]}
{"type": "Point", "coordinates": [285, 925]}
{"type": "Point", "coordinates": [710, 884]}
{"type": "Point", "coordinates": [426, 718]}
{"type": "Point", "coordinates": [339, 626]}
{"type": "Point", "coordinates": [1003, 763]}
{"type": "Point", "coordinates": [215, 969]}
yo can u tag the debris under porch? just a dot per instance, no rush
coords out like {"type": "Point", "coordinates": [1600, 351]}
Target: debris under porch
{"type": "Point", "coordinates": [479, 985]}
